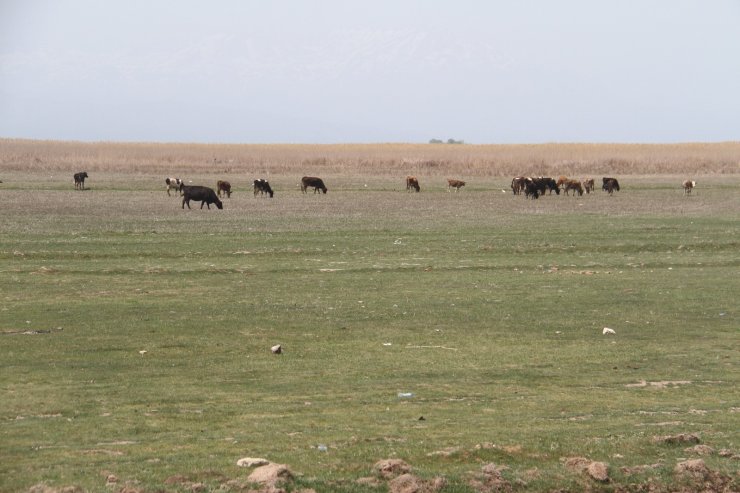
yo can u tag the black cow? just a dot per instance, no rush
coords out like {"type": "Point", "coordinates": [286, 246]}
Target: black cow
{"type": "Point", "coordinates": [530, 189]}
{"type": "Point", "coordinates": [80, 180]}
{"type": "Point", "coordinates": [204, 194]}
{"type": "Point", "coordinates": [545, 183]}
{"type": "Point", "coordinates": [312, 181]}
{"type": "Point", "coordinates": [610, 185]}
{"type": "Point", "coordinates": [262, 187]}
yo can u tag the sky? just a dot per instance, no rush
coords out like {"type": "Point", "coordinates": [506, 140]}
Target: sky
{"type": "Point", "coordinates": [351, 71]}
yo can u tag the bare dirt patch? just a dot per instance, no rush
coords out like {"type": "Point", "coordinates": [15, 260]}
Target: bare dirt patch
{"type": "Point", "coordinates": [680, 439]}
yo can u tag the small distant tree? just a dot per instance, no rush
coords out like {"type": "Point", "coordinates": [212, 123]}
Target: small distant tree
{"type": "Point", "coordinates": [453, 141]}
{"type": "Point", "coordinates": [436, 141]}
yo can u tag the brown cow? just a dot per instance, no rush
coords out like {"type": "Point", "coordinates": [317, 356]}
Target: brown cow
{"type": "Point", "coordinates": [588, 185]}
{"type": "Point", "coordinates": [574, 185]}
{"type": "Point", "coordinates": [412, 182]}
{"type": "Point", "coordinates": [517, 184]}
{"type": "Point", "coordinates": [223, 186]}
{"type": "Point", "coordinates": [312, 181]}
{"type": "Point", "coordinates": [456, 184]}
{"type": "Point", "coordinates": [562, 180]}
{"type": "Point", "coordinates": [688, 186]}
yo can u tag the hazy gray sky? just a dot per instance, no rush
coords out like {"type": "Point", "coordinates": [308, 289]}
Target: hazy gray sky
{"type": "Point", "coordinates": [486, 71]}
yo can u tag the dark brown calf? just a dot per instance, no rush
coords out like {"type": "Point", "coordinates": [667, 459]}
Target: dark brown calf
{"type": "Point", "coordinates": [610, 185]}
{"type": "Point", "coordinates": [412, 182]}
{"type": "Point", "coordinates": [517, 184]}
{"type": "Point", "coordinates": [80, 180]}
{"type": "Point", "coordinates": [223, 186]}
{"type": "Point", "coordinates": [312, 181]}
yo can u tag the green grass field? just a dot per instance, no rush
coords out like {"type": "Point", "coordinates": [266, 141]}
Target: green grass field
{"type": "Point", "coordinates": [487, 307]}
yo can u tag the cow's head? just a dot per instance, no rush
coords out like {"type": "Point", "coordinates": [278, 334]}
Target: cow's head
{"type": "Point", "coordinates": [219, 204]}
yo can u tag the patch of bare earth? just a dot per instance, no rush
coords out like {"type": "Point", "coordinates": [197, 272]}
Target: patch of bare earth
{"type": "Point", "coordinates": [598, 471]}
{"type": "Point", "coordinates": [697, 476]}
{"type": "Point", "coordinates": [490, 480]}
{"type": "Point", "coordinates": [396, 476]}
{"type": "Point", "coordinates": [680, 439]}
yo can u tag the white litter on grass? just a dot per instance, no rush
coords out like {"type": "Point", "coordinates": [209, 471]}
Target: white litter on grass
{"type": "Point", "coordinates": [387, 344]}
{"type": "Point", "coordinates": [607, 330]}
{"type": "Point", "coordinates": [143, 352]}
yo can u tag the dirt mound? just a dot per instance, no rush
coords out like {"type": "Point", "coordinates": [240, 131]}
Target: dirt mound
{"type": "Point", "coordinates": [408, 483]}
{"type": "Point", "coordinates": [271, 474]}
{"type": "Point", "coordinates": [700, 450]}
{"type": "Point", "coordinates": [490, 480]}
{"type": "Point", "coordinates": [701, 478]}
{"type": "Point", "coordinates": [598, 471]}
{"type": "Point", "coordinates": [680, 439]}
{"type": "Point", "coordinates": [390, 468]}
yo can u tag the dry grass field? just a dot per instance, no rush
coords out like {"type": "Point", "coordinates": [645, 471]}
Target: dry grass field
{"type": "Point", "coordinates": [459, 332]}
{"type": "Point", "coordinates": [373, 159]}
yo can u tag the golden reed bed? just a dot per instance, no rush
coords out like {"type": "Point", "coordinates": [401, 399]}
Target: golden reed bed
{"type": "Point", "coordinates": [688, 159]}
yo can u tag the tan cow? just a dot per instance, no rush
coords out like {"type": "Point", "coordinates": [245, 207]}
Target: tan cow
{"type": "Point", "coordinates": [588, 185]}
{"type": "Point", "coordinates": [456, 184]}
{"type": "Point", "coordinates": [574, 185]}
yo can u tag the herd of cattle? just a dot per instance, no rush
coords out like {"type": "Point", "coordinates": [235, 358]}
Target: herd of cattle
{"type": "Point", "coordinates": [538, 186]}
{"type": "Point", "coordinates": [530, 187]}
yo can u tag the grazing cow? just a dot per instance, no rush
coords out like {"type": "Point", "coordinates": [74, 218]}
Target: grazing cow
{"type": "Point", "coordinates": [80, 180]}
{"type": "Point", "coordinates": [574, 185]}
{"type": "Point", "coordinates": [204, 194]}
{"type": "Point", "coordinates": [412, 182]}
{"type": "Point", "coordinates": [312, 181]}
{"type": "Point", "coordinates": [517, 184]}
{"type": "Point", "coordinates": [545, 183]}
{"type": "Point", "coordinates": [262, 187]}
{"type": "Point", "coordinates": [456, 184]}
{"type": "Point", "coordinates": [610, 185]}
{"type": "Point", "coordinates": [562, 180]}
{"type": "Point", "coordinates": [223, 186]}
{"type": "Point", "coordinates": [173, 184]}
{"type": "Point", "coordinates": [588, 185]}
{"type": "Point", "coordinates": [688, 186]}
{"type": "Point", "coordinates": [531, 189]}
